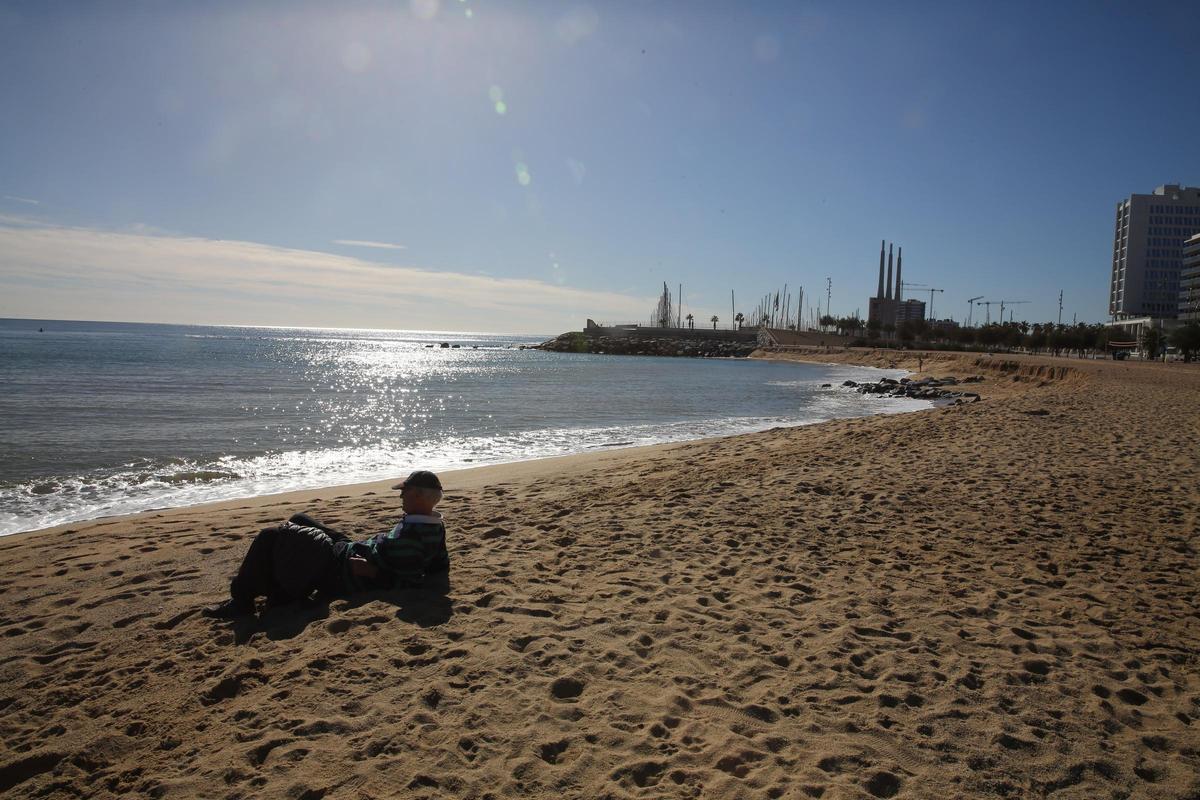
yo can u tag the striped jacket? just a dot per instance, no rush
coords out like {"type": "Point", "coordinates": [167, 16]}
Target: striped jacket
{"type": "Point", "coordinates": [414, 548]}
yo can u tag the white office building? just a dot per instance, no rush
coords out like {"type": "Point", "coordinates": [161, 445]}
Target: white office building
{"type": "Point", "coordinates": [1189, 281]}
{"type": "Point", "coordinates": [1148, 251]}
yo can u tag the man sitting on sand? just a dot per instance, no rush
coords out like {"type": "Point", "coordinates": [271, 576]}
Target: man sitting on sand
{"type": "Point", "coordinates": [288, 562]}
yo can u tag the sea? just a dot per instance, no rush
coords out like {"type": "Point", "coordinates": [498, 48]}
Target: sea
{"type": "Point", "coordinates": [102, 418]}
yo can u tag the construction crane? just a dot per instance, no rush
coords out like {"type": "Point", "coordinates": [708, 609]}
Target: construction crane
{"type": "Point", "coordinates": [931, 291]}
{"type": "Point", "coordinates": [971, 307]}
{"type": "Point", "coordinates": [1004, 303]}
{"type": "Point", "coordinates": [987, 304]}
{"type": "Point", "coordinates": [924, 288]}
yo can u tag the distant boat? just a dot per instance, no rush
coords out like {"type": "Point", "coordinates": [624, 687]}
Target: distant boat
{"type": "Point", "coordinates": [41, 330]}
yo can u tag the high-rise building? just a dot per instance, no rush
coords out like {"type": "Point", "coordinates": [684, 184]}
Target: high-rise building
{"type": "Point", "coordinates": [910, 311]}
{"type": "Point", "coordinates": [1148, 249]}
{"type": "Point", "coordinates": [1189, 281]}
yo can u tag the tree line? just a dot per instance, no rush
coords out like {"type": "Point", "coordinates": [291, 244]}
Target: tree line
{"type": "Point", "coordinates": [1037, 337]}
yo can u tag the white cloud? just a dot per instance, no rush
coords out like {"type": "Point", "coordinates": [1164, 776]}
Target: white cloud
{"type": "Point", "coordinates": [366, 243]}
{"type": "Point", "coordinates": [64, 272]}
{"type": "Point", "coordinates": [18, 221]}
{"type": "Point", "coordinates": [26, 200]}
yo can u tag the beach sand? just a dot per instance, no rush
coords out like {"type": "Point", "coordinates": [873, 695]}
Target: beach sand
{"type": "Point", "coordinates": [991, 600]}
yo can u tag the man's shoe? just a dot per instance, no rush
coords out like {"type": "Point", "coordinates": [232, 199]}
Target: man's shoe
{"type": "Point", "coordinates": [230, 609]}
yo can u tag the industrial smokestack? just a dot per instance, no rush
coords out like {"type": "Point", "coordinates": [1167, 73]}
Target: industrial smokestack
{"type": "Point", "coordinates": [888, 294]}
{"type": "Point", "coordinates": [879, 293]}
{"type": "Point", "coordinates": [899, 283]}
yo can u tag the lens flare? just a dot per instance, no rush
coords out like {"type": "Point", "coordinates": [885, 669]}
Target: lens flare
{"type": "Point", "coordinates": [496, 95]}
{"type": "Point", "coordinates": [424, 9]}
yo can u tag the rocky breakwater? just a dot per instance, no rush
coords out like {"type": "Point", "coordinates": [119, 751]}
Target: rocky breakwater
{"type": "Point", "coordinates": [576, 342]}
{"type": "Point", "coordinates": [922, 389]}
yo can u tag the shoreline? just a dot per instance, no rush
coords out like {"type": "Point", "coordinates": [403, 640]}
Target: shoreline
{"type": "Point", "coordinates": [465, 478]}
{"type": "Point", "coordinates": [471, 474]}
{"type": "Point", "coordinates": [988, 600]}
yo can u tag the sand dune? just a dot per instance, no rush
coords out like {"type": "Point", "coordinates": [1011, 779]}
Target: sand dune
{"type": "Point", "coordinates": [992, 600]}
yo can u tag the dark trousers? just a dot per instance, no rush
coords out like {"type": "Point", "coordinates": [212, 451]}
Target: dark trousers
{"type": "Point", "coordinates": [309, 522]}
{"type": "Point", "coordinates": [287, 562]}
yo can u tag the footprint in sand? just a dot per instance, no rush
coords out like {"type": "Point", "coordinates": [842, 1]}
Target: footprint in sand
{"type": "Point", "coordinates": [566, 689]}
{"type": "Point", "coordinates": [231, 686]}
{"type": "Point", "coordinates": [740, 764]}
{"type": "Point", "coordinates": [20, 770]}
{"type": "Point", "coordinates": [551, 752]}
{"type": "Point", "coordinates": [883, 784]}
{"type": "Point", "coordinates": [1132, 696]}
{"type": "Point", "coordinates": [644, 774]}
{"type": "Point", "coordinates": [63, 650]}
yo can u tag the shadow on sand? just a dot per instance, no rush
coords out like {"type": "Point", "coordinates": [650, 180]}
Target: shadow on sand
{"type": "Point", "coordinates": [426, 607]}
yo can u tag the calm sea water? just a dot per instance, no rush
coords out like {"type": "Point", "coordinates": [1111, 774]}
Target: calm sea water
{"type": "Point", "coordinates": [99, 419]}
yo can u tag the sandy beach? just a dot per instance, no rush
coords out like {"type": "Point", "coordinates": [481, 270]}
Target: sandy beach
{"type": "Point", "coordinates": [990, 600]}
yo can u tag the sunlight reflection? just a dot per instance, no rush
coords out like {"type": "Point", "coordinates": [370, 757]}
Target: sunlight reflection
{"type": "Point", "coordinates": [371, 391]}
{"type": "Point", "coordinates": [523, 176]}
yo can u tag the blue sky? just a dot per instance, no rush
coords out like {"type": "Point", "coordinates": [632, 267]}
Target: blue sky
{"type": "Point", "coordinates": [533, 164]}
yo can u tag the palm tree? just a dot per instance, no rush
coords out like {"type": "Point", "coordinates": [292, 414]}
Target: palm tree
{"type": "Point", "coordinates": [691, 324]}
{"type": "Point", "coordinates": [714, 321]}
{"type": "Point", "coordinates": [739, 319]}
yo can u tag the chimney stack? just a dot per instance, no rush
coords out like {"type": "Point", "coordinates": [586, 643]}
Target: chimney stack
{"type": "Point", "coordinates": [879, 293]}
{"type": "Point", "coordinates": [888, 293]}
{"type": "Point", "coordinates": [899, 283]}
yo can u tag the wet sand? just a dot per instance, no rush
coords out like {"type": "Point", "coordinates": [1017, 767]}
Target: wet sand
{"type": "Point", "coordinates": [991, 600]}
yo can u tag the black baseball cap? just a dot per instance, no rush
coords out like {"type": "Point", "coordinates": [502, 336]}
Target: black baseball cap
{"type": "Point", "coordinates": [421, 479]}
